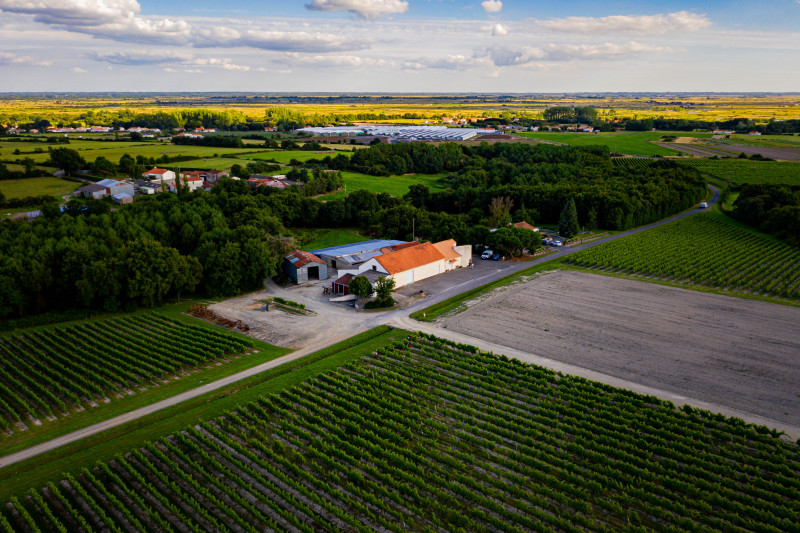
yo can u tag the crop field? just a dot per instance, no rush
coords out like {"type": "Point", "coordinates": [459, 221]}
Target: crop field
{"type": "Point", "coordinates": [37, 187]}
{"type": "Point", "coordinates": [392, 185]}
{"type": "Point", "coordinates": [41, 377]}
{"type": "Point", "coordinates": [756, 172]}
{"type": "Point", "coordinates": [705, 250]}
{"type": "Point", "coordinates": [431, 436]}
{"type": "Point", "coordinates": [633, 143]}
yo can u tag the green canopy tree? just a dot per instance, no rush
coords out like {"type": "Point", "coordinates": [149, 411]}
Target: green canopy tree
{"type": "Point", "coordinates": [361, 287]}
{"type": "Point", "coordinates": [568, 225]}
{"type": "Point", "coordinates": [66, 159]}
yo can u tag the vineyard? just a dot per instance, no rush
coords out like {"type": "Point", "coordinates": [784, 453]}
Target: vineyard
{"type": "Point", "coordinates": [706, 250]}
{"type": "Point", "coordinates": [430, 436]}
{"type": "Point", "coordinates": [632, 162]}
{"type": "Point", "coordinates": [742, 171]}
{"type": "Point", "coordinates": [46, 374]}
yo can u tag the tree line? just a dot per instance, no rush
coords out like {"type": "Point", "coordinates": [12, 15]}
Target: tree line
{"type": "Point", "coordinates": [773, 209]}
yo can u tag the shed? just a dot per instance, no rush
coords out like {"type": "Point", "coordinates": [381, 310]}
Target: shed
{"type": "Point", "coordinates": [123, 198]}
{"type": "Point", "coordinates": [342, 285]}
{"type": "Point", "coordinates": [92, 190]}
{"type": "Point", "coordinates": [302, 266]}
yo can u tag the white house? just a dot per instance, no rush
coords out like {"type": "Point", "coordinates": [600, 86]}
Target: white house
{"type": "Point", "coordinates": [419, 262]}
{"type": "Point", "coordinates": [159, 174]}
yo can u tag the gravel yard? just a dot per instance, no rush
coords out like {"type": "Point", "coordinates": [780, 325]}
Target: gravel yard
{"type": "Point", "coordinates": [740, 353]}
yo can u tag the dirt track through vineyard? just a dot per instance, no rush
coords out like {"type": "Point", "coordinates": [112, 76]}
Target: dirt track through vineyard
{"type": "Point", "coordinates": [729, 351]}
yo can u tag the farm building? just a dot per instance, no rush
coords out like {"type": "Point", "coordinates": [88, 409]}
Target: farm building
{"type": "Point", "coordinates": [414, 263]}
{"type": "Point", "coordinates": [123, 198]}
{"type": "Point", "coordinates": [93, 190]}
{"type": "Point", "coordinates": [159, 174]}
{"type": "Point", "coordinates": [302, 266]}
{"type": "Point", "coordinates": [342, 285]}
{"type": "Point", "coordinates": [116, 187]}
{"type": "Point", "coordinates": [349, 256]}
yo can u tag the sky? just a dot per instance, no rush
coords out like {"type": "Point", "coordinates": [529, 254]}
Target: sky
{"type": "Point", "coordinates": [421, 46]}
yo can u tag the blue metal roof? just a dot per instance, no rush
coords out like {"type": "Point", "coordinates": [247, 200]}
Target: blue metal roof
{"type": "Point", "coordinates": [355, 248]}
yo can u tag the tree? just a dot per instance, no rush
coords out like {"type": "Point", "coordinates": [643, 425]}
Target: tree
{"type": "Point", "coordinates": [66, 159]}
{"type": "Point", "coordinates": [361, 287]}
{"type": "Point", "coordinates": [500, 211]}
{"type": "Point", "coordinates": [568, 221]}
{"type": "Point", "coordinates": [103, 167]}
{"type": "Point", "coordinates": [383, 292]}
{"type": "Point", "coordinates": [591, 225]}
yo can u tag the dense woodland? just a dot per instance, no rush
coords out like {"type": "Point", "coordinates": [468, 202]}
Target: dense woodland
{"type": "Point", "coordinates": [771, 208]}
{"type": "Point", "coordinates": [229, 240]}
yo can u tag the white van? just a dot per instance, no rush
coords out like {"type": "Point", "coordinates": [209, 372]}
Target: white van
{"type": "Point", "coordinates": [487, 254]}
{"type": "Point", "coordinates": [703, 205]}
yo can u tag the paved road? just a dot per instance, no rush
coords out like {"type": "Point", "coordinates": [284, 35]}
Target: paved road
{"type": "Point", "coordinates": [365, 321]}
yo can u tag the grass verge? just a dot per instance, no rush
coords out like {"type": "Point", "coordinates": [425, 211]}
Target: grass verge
{"type": "Point", "coordinates": [37, 471]}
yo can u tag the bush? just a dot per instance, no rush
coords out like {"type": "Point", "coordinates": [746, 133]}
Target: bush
{"type": "Point", "coordinates": [380, 304]}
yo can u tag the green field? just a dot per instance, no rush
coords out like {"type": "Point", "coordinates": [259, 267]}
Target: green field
{"type": "Point", "coordinates": [37, 187]}
{"type": "Point", "coordinates": [707, 250]}
{"type": "Point", "coordinates": [392, 185]}
{"type": "Point", "coordinates": [633, 143]}
{"type": "Point", "coordinates": [325, 238]}
{"type": "Point", "coordinates": [771, 141]}
{"type": "Point", "coordinates": [743, 171]}
{"type": "Point", "coordinates": [425, 435]}
{"type": "Point", "coordinates": [284, 156]}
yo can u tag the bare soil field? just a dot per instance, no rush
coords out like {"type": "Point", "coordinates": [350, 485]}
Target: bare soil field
{"type": "Point", "coordinates": [739, 353]}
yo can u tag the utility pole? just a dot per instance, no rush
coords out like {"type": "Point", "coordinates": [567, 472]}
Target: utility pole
{"type": "Point", "coordinates": [413, 229]}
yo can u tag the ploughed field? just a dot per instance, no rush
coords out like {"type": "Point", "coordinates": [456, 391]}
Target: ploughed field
{"type": "Point", "coordinates": [729, 351]}
{"type": "Point", "coordinates": [708, 250]}
{"type": "Point", "coordinates": [49, 373]}
{"type": "Point", "coordinates": [428, 435]}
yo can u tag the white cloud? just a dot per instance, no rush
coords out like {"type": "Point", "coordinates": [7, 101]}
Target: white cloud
{"type": "Point", "coordinates": [78, 70]}
{"type": "Point", "coordinates": [328, 61]}
{"type": "Point", "coordinates": [498, 30]}
{"type": "Point", "coordinates": [165, 58]}
{"type": "Point", "coordinates": [503, 56]}
{"type": "Point", "coordinates": [113, 19]}
{"type": "Point", "coordinates": [658, 24]}
{"type": "Point", "coordinates": [9, 58]}
{"type": "Point", "coordinates": [450, 62]}
{"type": "Point", "coordinates": [364, 9]}
{"type": "Point", "coordinates": [492, 6]}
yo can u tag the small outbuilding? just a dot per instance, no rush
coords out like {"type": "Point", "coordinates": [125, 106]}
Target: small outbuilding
{"type": "Point", "coordinates": [303, 266]}
{"type": "Point", "coordinates": [123, 198]}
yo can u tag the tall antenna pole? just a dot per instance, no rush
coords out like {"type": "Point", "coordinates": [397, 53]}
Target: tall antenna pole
{"type": "Point", "coordinates": [413, 229]}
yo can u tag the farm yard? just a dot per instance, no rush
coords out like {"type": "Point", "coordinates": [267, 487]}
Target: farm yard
{"type": "Point", "coordinates": [707, 250]}
{"type": "Point", "coordinates": [40, 379]}
{"type": "Point", "coordinates": [427, 435]}
{"type": "Point", "coordinates": [727, 351]}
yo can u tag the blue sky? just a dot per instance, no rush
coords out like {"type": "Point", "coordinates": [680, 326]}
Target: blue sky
{"type": "Point", "coordinates": [399, 45]}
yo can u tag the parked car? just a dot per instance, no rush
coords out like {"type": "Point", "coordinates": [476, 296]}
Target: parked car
{"type": "Point", "coordinates": [496, 257]}
{"type": "Point", "coordinates": [487, 254]}
{"type": "Point", "coordinates": [703, 205]}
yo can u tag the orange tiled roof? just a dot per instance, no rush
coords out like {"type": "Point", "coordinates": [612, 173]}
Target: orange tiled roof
{"type": "Point", "coordinates": [524, 225]}
{"type": "Point", "coordinates": [299, 258]}
{"type": "Point", "coordinates": [408, 258]}
{"type": "Point", "coordinates": [446, 249]}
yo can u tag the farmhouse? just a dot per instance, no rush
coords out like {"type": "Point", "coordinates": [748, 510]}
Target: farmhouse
{"type": "Point", "coordinates": [159, 174]}
{"type": "Point", "coordinates": [193, 182]}
{"type": "Point", "coordinates": [214, 175]}
{"type": "Point", "coordinates": [301, 266]}
{"type": "Point", "coordinates": [342, 285]}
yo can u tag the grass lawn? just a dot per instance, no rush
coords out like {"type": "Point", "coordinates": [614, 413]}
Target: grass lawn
{"type": "Point", "coordinates": [325, 238]}
{"type": "Point", "coordinates": [633, 143]}
{"type": "Point", "coordinates": [393, 185]}
{"type": "Point", "coordinates": [37, 187]}
{"type": "Point", "coordinates": [219, 163]}
{"type": "Point", "coordinates": [37, 471]}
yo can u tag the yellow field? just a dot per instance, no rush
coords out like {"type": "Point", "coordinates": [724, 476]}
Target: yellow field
{"type": "Point", "coordinates": [94, 110]}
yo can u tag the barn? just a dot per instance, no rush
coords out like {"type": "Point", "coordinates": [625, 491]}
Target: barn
{"type": "Point", "coordinates": [303, 266]}
{"type": "Point", "coordinates": [349, 256]}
